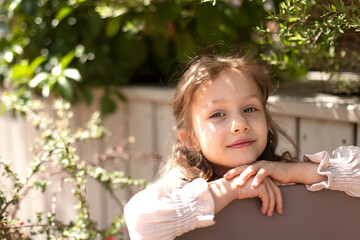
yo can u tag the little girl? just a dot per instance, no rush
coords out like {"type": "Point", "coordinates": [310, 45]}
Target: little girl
{"type": "Point", "coordinates": [223, 127]}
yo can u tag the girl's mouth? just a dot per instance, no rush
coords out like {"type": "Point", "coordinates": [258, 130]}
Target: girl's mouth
{"type": "Point", "coordinates": [241, 143]}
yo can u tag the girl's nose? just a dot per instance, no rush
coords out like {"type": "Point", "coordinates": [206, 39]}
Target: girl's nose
{"type": "Point", "coordinates": [239, 125]}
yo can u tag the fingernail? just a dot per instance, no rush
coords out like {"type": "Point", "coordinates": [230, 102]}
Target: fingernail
{"type": "Point", "coordinates": [227, 174]}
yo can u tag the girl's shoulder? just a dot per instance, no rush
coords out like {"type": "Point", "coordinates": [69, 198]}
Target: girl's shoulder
{"type": "Point", "coordinates": [173, 179]}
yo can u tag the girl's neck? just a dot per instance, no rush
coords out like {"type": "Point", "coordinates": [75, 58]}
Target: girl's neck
{"type": "Point", "coordinates": [219, 170]}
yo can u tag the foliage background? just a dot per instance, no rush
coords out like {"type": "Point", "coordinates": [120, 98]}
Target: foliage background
{"type": "Point", "coordinates": [303, 35]}
{"type": "Point", "coordinates": [71, 47]}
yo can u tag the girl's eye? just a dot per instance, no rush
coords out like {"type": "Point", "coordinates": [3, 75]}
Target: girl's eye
{"type": "Point", "coordinates": [250, 109]}
{"type": "Point", "coordinates": [216, 115]}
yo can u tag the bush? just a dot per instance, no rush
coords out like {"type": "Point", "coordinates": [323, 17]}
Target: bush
{"type": "Point", "coordinates": [55, 159]}
{"type": "Point", "coordinates": [71, 47]}
{"type": "Point", "coordinates": [303, 35]}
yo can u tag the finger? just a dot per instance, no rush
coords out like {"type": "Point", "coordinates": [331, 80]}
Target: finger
{"type": "Point", "coordinates": [259, 177]}
{"type": "Point", "coordinates": [272, 201]}
{"type": "Point", "coordinates": [265, 198]}
{"type": "Point", "coordinates": [234, 172]}
{"type": "Point", "coordinates": [246, 174]}
{"type": "Point", "coordinates": [278, 197]}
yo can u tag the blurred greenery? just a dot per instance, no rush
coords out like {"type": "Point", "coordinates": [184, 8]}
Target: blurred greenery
{"type": "Point", "coordinates": [70, 47]}
{"type": "Point", "coordinates": [303, 35]}
{"type": "Point", "coordinates": [55, 162]}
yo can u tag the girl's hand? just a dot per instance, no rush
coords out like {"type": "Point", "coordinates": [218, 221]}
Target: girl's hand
{"type": "Point", "coordinates": [260, 170]}
{"type": "Point", "coordinates": [267, 191]}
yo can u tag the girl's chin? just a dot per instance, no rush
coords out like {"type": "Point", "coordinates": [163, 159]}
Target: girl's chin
{"type": "Point", "coordinates": [220, 170]}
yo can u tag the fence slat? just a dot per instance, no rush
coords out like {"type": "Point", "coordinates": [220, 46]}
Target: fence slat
{"type": "Point", "coordinates": [88, 152]}
{"type": "Point", "coordinates": [358, 134]}
{"type": "Point", "coordinates": [288, 125]}
{"type": "Point", "coordinates": [166, 133]}
{"type": "Point", "coordinates": [318, 135]}
{"type": "Point", "coordinates": [118, 124]}
{"type": "Point", "coordinates": [141, 126]}
{"type": "Point", "coordinates": [5, 151]}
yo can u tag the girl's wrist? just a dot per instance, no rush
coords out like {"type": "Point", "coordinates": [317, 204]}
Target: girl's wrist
{"type": "Point", "coordinates": [223, 192]}
{"type": "Point", "coordinates": [228, 188]}
{"type": "Point", "coordinates": [305, 173]}
{"type": "Point", "coordinates": [235, 190]}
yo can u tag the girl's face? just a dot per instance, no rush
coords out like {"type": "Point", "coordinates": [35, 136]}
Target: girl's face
{"type": "Point", "coordinates": [228, 120]}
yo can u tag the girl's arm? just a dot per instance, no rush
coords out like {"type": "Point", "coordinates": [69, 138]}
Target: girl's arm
{"type": "Point", "coordinates": [224, 192]}
{"type": "Point", "coordinates": [283, 173]}
{"type": "Point", "coordinates": [338, 171]}
{"type": "Point", "coordinates": [171, 206]}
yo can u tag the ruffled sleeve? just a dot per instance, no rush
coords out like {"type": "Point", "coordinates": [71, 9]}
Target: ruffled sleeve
{"type": "Point", "coordinates": [342, 169]}
{"type": "Point", "coordinates": [169, 208]}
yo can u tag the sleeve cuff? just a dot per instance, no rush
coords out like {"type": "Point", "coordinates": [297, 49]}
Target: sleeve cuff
{"type": "Point", "coordinates": [167, 209]}
{"type": "Point", "coordinates": [323, 159]}
{"type": "Point", "coordinates": [342, 169]}
{"type": "Point", "coordinates": [200, 207]}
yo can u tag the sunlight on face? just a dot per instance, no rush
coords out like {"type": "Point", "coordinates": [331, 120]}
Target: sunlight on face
{"type": "Point", "coordinates": [228, 119]}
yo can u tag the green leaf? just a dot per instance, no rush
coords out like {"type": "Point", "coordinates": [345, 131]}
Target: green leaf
{"type": "Point", "coordinates": [294, 19]}
{"type": "Point", "coordinates": [331, 51]}
{"type": "Point", "coordinates": [333, 8]}
{"type": "Point", "coordinates": [65, 88]}
{"type": "Point", "coordinates": [72, 73]}
{"type": "Point", "coordinates": [36, 62]}
{"type": "Point", "coordinates": [66, 60]}
{"type": "Point", "coordinates": [63, 13]}
{"type": "Point", "coordinates": [46, 90]}
{"type": "Point", "coordinates": [19, 71]}
{"type": "Point", "coordinates": [212, 1]}
{"type": "Point", "coordinates": [113, 27]}
{"type": "Point", "coordinates": [38, 79]}
{"type": "Point", "coordinates": [121, 96]}
{"type": "Point", "coordinates": [343, 53]}
{"type": "Point", "coordinates": [107, 105]}
{"type": "Point", "coordinates": [8, 56]}
{"type": "Point", "coordinates": [337, 4]}
{"type": "Point", "coordinates": [340, 29]}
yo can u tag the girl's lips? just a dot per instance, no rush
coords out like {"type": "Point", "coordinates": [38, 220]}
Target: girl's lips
{"type": "Point", "coordinates": [241, 143]}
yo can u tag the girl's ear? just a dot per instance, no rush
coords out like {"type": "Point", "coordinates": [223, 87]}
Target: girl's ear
{"type": "Point", "coordinates": [188, 140]}
{"type": "Point", "coordinates": [181, 135]}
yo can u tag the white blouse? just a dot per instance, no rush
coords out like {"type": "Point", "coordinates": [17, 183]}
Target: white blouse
{"type": "Point", "coordinates": [172, 206]}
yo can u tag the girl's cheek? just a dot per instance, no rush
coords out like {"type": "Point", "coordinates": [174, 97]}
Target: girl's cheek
{"type": "Point", "coordinates": [218, 127]}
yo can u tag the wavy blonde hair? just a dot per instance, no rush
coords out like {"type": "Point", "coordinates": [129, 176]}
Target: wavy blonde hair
{"type": "Point", "coordinates": [200, 71]}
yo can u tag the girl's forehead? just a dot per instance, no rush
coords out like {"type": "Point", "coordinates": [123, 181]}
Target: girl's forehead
{"type": "Point", "coordinates": [231, 79]}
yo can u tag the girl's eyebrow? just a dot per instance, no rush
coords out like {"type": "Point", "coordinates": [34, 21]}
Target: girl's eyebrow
{"type": "Point", "coordinates": [253, 95]}
{"type": "Point", "coordinates": [217, 101]}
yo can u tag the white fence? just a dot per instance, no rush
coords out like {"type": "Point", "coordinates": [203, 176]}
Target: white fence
{"type": "Point", "coordinates": [318, 123]}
